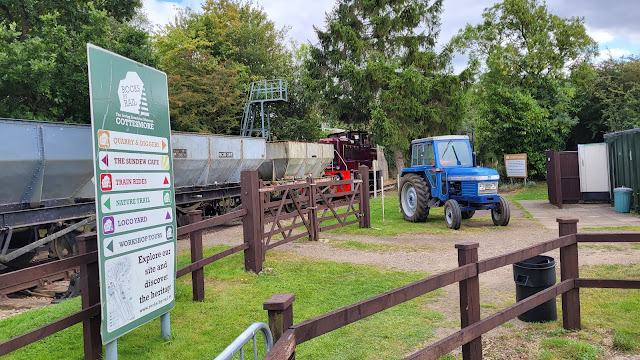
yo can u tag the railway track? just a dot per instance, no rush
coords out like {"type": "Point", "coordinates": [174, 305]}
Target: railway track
{"type": "Point", "coordinates": [42, 281]}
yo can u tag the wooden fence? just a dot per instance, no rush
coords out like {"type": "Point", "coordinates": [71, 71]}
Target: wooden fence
{"type": "Point", "coordinates": [289, 335]}
{"type": "Point", "coordinates": [254, 247]}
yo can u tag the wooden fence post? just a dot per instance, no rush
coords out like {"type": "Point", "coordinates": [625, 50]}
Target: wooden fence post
{"type": "Point", "coordinates": [280, 311]}
{"type": "Point", "coordinates": [252, 228]}
{"type": "Point", "coordinates": [365, 210]}
{"type": "Point", "coordinates": [197, 276]}
{"type": "Point", "coordinates": [90, 292]}
{"type": "Point", "coordinates": [313, 210]}
{"type": "Point", "coordinates": [569, 270]}
{"type": "Point", "coordinates": [469, 299]}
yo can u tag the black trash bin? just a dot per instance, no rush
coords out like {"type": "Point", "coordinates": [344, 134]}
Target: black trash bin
{"type": "Point", "coordinates": [532, 276]}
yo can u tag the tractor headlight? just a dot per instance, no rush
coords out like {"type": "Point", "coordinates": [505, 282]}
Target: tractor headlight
{"type": "Point", "coordinates": [488, 188]}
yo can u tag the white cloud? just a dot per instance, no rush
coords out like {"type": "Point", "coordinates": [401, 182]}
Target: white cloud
{"type": "Point", "coordinates": [158, 12]}
{"type": "Point", "coordinates": [600, 35]}
{"type": "Point", "coordinates": [612, 53]}
{"type": "Point", "coordinates": [299, 16]}
{"type": "Point", "coordinates": [607, 22]}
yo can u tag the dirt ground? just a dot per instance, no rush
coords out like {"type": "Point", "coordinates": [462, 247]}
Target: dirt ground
{"type": "Point", "coordinates": [436, 253]}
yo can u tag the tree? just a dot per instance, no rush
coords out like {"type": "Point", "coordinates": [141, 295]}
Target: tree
{"type": "Point", "coordinates": [211, 58]}
{"type": "Point", "coordinates": [377, 69]}
{"type": "Point", "coordinates": [617, 87]}
{"type": "Point", "coordinates": [43, 53]}
{"type": "Point", "coordinates": [527, 101]}
{"type": "Point", "coordinates": [205, 92]}
{"type": "Point", "coordinates": [590, 127]}
{"type": "Point", "coordinates": [609, 99]}
{"type": "Point", "coordinates": [299, 117]}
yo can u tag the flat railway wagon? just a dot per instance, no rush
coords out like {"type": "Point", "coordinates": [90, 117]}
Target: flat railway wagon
{"type": "Point", "coordinates": [47, 185]}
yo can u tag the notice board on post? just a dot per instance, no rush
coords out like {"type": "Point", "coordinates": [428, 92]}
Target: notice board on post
{"type": "Point", "coordinates": [135, 206]}
{"type": "Point", "coordinates": [516, 165]}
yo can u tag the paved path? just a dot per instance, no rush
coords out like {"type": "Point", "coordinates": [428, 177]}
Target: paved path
{"type": "Point", "coordinates": [590, 215]}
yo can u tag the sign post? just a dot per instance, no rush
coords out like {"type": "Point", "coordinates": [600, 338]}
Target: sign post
{"type": "Point", "coordinates": [135, 207]}
{"type": "Point", "coordinates": [516, 166]}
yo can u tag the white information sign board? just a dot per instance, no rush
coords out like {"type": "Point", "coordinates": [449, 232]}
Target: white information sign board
{"type": "Point", "coordinates": [516, 165]}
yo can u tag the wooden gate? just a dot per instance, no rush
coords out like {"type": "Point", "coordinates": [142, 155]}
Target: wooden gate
{"type": "Point", "coordinates": [293, 211]}
{"type": "Point", "coordinates": [563, 177]}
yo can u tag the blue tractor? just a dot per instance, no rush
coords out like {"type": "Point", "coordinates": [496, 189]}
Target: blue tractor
{"type": "Point", "coordinates": [443, 173]}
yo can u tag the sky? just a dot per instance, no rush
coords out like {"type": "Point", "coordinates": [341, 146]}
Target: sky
{"type": "Point", "coordinates": [612, 23]}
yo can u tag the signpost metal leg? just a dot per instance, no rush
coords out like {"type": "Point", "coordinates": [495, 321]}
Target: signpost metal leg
{"type": "Point", "coordinates": [111, 350]}
{"type": "Point", "coordinates": [165, 326]}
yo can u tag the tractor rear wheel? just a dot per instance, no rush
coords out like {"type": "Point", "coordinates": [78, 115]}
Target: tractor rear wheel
{"type": "Point", "coordinates": [468, 214]}
{"type": "Point", "coordinates": [501, 213]}
{"type": "Point", "coordinates": [414, 198]}
{"type": "Point", "coordinates": [452, 214]}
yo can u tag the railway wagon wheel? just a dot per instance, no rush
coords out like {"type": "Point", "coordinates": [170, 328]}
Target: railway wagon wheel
{"type": "Point", "coordinates": [64, 246]}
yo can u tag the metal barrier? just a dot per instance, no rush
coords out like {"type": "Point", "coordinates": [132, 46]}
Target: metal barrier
{"type": "Point", "coordinates": [238, 344]}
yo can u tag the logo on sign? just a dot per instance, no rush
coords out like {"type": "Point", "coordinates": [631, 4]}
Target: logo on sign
{"type": "Point", "coordinates": [166, 197]}
{"type": "Point", "coordinates": [106, 183]}
{"type": "Point", "coordinates": [108, 225]}
{"type": "Point", "coordinates": [169, 232]}
{"type": "Point", "coordinates": [133, 98]}
{"type": "Point", "coordinates": [104, 140]}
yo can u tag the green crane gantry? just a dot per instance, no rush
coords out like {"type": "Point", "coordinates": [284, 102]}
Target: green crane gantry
{"type": "Point", "coordinates": [262, 92]}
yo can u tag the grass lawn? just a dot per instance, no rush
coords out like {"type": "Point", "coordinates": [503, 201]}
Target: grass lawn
{"type": "Point", "coordinates": [610, 317]}
{"type": "Point", "coordinates": [613, 228]}
{"type": "Point", "coordinates": [610, 323]}
{"type": "Point", "coordinates": [234, 300]}
{"type": "Point", "coordinates": [394, 224]}
{"type": "Point", "coordinates": [534, 192]}
{"type": "Point", "coordinates": [381, 248]}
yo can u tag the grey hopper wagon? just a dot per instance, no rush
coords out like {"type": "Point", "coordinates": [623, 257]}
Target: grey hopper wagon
{"type": "Point", "coordinates": [46, 181]}
{"type": "Point", "coordinates": [294, 160]}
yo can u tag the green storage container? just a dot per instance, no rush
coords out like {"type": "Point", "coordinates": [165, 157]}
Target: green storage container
{"type": "Point", "coordinates": [624, 164]}
{"type": "Point", "coordinates": [622, 199]}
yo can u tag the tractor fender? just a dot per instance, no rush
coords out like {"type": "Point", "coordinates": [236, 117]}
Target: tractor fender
{"type": "Point", "coordinates": [434, 200]}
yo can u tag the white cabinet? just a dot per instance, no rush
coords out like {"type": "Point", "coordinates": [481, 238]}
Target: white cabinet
{"type": "Point", "coordinates": [593, 163]}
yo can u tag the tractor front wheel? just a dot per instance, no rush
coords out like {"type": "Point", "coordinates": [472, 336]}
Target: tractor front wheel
{"type": "Point", "coordinates": [414, 198]}
{"type": "Point", "coordinates": [452, 214]}
{"type": "Point", "coordinates": [501, 213]}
